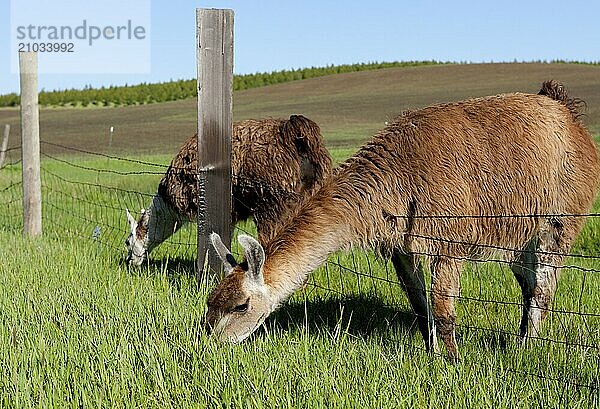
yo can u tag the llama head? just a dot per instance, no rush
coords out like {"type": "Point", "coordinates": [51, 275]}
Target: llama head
{"type": "Point", "coordinates": [137, 241]}
{"type": "Point", "coordinates": [241, 302]}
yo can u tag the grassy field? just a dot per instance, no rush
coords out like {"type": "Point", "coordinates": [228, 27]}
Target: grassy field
{"type": "Point", "coordinates": [182, 89]}
{"type": "Point", "coordinates": [80, 329]}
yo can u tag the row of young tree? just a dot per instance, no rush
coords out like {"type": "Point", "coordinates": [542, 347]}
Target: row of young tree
{"type": "Point", "coordinates": [181, 89]}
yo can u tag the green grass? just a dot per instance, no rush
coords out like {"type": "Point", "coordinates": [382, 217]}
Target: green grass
{"type": "Point", "coordinates": [79, 329]}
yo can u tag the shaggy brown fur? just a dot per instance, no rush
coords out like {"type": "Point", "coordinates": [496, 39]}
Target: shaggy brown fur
{"type": "Point", "coordinates": [274, 163]}
{"type": "Point", "coordinates": [408, 190]}
{"type": "Point", "coordinates": [557, 92]}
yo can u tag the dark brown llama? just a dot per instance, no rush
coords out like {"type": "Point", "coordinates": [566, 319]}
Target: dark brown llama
{"type": "Point", "coordinates": [275, 163]}
{"type": "Point", "coordinates": [405, 193]}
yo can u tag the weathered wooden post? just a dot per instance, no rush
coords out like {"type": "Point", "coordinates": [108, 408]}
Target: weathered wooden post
{"type": "Point", "coordinates": [214, 35]}
{"type": "Point", "coordinates": [30, 144]}
{"type": "Point", "coordinates": [4, 144]}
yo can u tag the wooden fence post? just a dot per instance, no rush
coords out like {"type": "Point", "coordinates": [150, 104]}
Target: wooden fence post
{"type": "Point", "coordinates": [214, 35]}
{"type": "Point", "coordinates": [30, 144]}
{"type": "Point", "coordinates": [4, 144]}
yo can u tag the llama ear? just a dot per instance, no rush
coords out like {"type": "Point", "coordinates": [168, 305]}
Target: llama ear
{"type": "Point", "coordinates": [255, 256]}
{"type": "Point", "coordinates": [131, 220]}
{"type": "Point", "coordinates": [226, 257]}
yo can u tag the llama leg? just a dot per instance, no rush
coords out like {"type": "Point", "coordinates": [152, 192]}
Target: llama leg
{"type": "Point", "coordinates": [523, 267]}
{"type": "Point", "coordinates": [445, 288]}
{"type": "Point", "coordinates": [541, 271]}
{"type": "Point", "coordinates": [410, 273]}
{"type": "Point", "coordinates": [546, 276]}
{"type": "Point", "coordinates": [555, 239]}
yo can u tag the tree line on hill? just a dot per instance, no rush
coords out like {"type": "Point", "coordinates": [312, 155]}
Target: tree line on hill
{"type": "Point", "coordinates": [181, 89]}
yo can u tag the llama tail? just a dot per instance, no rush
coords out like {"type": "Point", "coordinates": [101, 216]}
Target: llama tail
{"type": "Point", "coordinates": [557, 92]}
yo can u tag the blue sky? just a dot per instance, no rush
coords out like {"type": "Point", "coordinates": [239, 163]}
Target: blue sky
{"type": "Point", "coordinates": [281, 34]}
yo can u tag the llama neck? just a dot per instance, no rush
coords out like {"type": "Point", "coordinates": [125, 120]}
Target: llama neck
{"type": "Point", "coordinates": [302, 244]}
{"type": "Point", "coordinates": [163, 221]}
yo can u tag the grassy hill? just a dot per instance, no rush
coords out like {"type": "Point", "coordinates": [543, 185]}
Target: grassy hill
{"type": "Point", "coordinates": [349, 107]}
{"type": "Point", "coordinates": [181, 89]}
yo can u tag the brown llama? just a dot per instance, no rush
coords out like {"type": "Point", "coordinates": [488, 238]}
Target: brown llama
{"type": "Point", "coordinates": [275, 162]}
{"type": "Point", "coordinates": [405, 192]}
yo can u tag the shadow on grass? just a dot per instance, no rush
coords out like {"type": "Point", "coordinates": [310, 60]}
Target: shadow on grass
{"type": "Point", "coordinates": [176, 269]}
{"type": "Point", "coordinates": [488, 339]}
{"type": "Point", "coordinates": [174, 266]}
{"type": "Point", "coordinates": [365, 316]}
{"type": "Point", "coordinates": [356, 315]}
{"type": "Point", "coordinates": [359, 315]}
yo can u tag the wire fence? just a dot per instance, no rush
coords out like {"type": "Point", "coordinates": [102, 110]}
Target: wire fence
{"type": "Point", "coordinates": [11, 190]}
{"type": "Point", "coordinates": [85, 195]}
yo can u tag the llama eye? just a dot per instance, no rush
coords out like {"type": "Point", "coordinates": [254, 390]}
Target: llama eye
{"type": "Point", "coordinates": [241, 308]}
{"type": "Point", "coordinates": [127, 242]}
